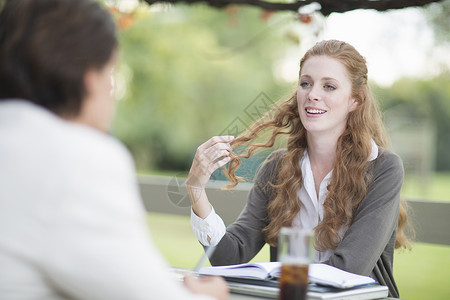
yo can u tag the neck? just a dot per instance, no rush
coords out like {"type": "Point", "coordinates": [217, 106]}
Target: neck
{"type": "Point", "coordinates": [322, 151]}
{"type": "Point", "coordinates": [90, 115]}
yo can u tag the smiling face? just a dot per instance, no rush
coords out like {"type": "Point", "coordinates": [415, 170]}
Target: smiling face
{"type": "Point", "coordinates": [324, 96]}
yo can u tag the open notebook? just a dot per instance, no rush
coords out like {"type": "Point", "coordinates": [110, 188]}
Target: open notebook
{"type": "Point", "coordinates": [318, 273]}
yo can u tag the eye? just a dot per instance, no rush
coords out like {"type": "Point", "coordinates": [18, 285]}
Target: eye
{"type": "Point", "coordinates": [329, 87]}
{"type": "Point", "coordinates": [305, 84]}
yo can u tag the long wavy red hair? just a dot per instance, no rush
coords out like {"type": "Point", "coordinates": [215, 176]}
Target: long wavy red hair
{"type": "Point", "coordinates": [348, 185]}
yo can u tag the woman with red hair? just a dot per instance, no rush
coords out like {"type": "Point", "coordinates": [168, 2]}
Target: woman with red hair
{"type": "Point", "coordinates": [334, 174]}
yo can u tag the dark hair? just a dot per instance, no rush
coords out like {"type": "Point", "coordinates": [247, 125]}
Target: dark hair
{"type": "Point", "coordinates": [46, 46]}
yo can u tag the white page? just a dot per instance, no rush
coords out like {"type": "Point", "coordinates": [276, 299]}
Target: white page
{"type": "Point", "coordinates": [325, 274]}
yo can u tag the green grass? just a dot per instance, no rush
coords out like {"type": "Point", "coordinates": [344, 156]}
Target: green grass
{"type": "Point", "coordinates": [436, 187]}
{"type": "Point", "coordinates": [176, 241]}
{"type": "Point", "coordinates": [422, 273]}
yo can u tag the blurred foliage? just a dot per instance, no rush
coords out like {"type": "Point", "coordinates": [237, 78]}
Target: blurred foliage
{"type": "Point", "coordinates": [439, 17]}
{"type": "Point", "coordinates": [421, 100]}
{"type": "Point", "coordinates": [189, 72]}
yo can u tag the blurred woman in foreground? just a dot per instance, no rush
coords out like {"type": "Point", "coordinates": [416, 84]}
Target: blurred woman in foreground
{"type": "Point", "coordinates": [72, 225]}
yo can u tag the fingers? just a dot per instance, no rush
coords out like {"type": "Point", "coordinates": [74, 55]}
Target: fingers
{"type": "Point", "coordinates": [190, 280]}
{"type": "Point", "coordinates": [212, 285]}
{"type": "Point", "coordinates": [215, 152]}
{"type": "Point", "coordinates": [220, 163]}
{"type": "Point", "coordinates": [222, 139]}
{"type": "Point", "coordinates": [215, 148]}
{"type": "Point", "coordinates": [210, 156]}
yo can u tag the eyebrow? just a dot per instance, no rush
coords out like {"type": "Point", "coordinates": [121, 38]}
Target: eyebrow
{"type": "Point", "coordinates": [330, 78]}
{"type": "Point", "coordinates": [324, 78]}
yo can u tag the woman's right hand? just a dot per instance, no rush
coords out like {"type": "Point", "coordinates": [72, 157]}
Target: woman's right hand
{"type": "Point", "coordinates": [211, 155]}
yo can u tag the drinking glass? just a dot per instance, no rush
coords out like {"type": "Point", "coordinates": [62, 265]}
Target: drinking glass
{"type": "Point", "coordinates": [295, 252]}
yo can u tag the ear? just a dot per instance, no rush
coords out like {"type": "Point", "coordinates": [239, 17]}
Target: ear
{"type": "Point", "coordinates": [353, 104]}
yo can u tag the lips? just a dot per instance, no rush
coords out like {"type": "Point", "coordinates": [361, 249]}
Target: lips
{"type": "Point", "coordinates": [315, 111]}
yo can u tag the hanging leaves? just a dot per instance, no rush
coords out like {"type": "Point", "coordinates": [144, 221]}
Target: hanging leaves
{"type": "Point", "coordinates": [123, 19]}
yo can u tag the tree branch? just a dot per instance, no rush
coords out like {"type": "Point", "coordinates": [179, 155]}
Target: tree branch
{"type": "Point", "coordinates": [327, 6]}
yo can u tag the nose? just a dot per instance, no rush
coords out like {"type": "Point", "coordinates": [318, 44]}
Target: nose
{"type": "Point", "coordinates": [314, 94]}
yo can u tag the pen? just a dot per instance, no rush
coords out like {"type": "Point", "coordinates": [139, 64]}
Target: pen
{"type": "Point", "coordinates": [208, 252]}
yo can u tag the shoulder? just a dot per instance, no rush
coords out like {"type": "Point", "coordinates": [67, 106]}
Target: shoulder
{"type": "Point", "coordinates": [268, 171]}
{"type": "Point", "coordinates": [275, 158]}
{"type": "Point", "coordinates": [55, 148]}
{"type": "Point", "coordinates": [43, 132]}
{"type": "Point", "coordinates": [388, 156]}
{"type": "Point", "coordinates": [93, 158]}
{"type": "Point", "coordinates": [95, 146]}
{"type": "Point", "coordinates": [96, 177]}
{"type": "Point", "coordinates": [385, 183]}
{"type": "Point", "coordinates": [386, 178]}
{"type": "Point", "coordinates": [59, 162]}
{"type": "Point", "coordinates": [387, 161]}
{"type": "Point", "coordinates": [277, 155]}
{"type": "Point", "coordinates": [271, 164]}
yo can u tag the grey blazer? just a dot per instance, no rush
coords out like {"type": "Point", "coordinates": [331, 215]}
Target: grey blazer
{"type": "Point", "coordinates": [367, 247]}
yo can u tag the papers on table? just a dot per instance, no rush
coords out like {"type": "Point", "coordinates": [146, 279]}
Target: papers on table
{"type": "Point", "coordinates": [318, 273]}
